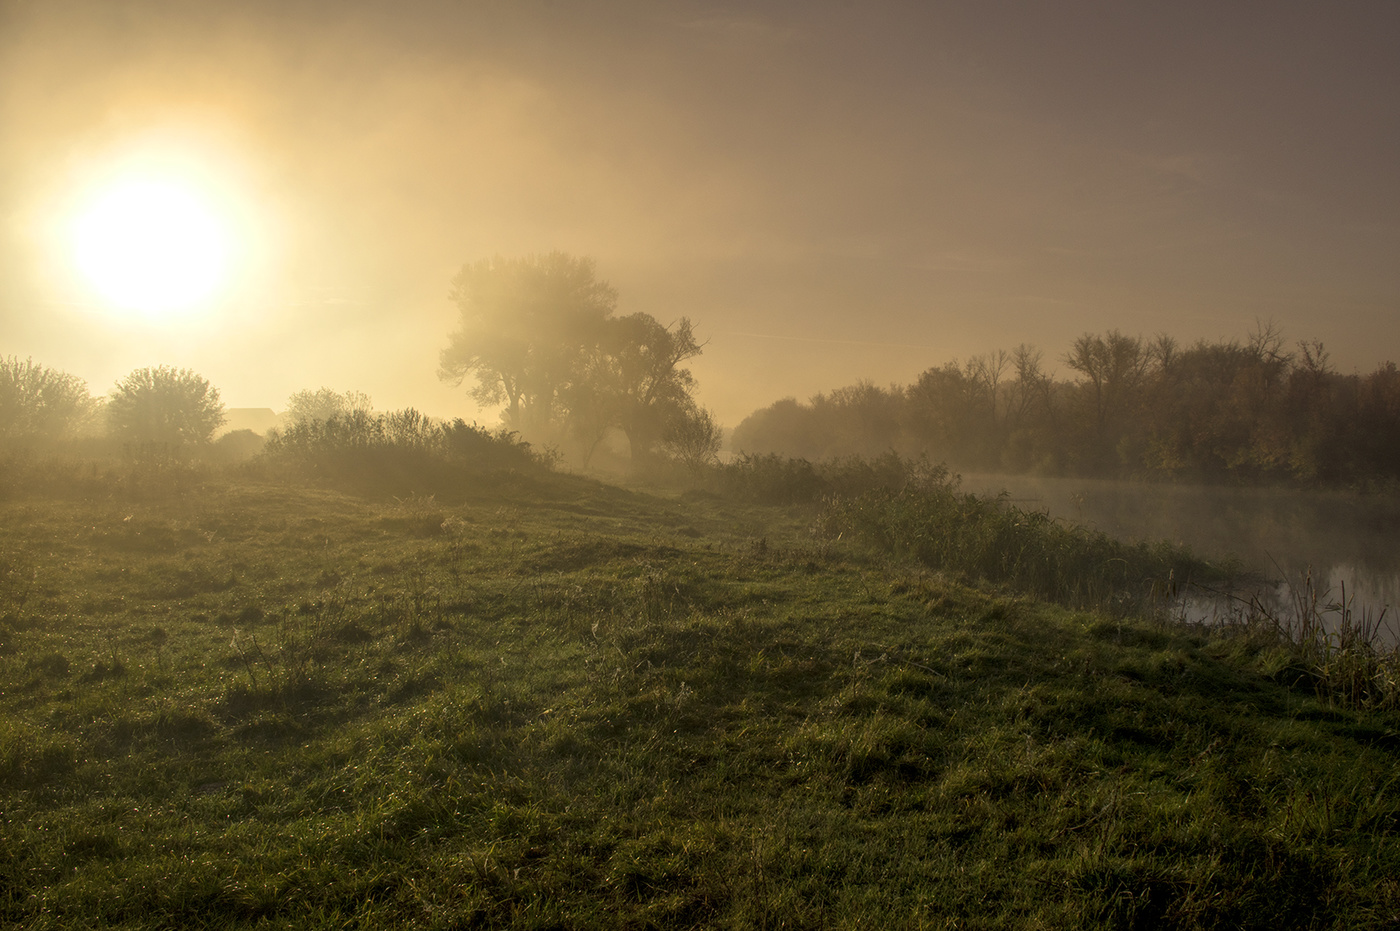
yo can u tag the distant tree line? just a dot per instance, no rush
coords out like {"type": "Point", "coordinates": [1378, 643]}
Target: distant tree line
{"type": "Point", "coordinates": [161, 417]}
{"type": "Point", "coordinates": [1251, 411]}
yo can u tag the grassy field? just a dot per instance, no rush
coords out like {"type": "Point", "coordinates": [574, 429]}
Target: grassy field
{"type": "Point", "coordinates": [542, 702]}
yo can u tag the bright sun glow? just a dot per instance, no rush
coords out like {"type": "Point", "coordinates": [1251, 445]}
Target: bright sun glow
{"type": "Point", "coordinates": [153, 246]}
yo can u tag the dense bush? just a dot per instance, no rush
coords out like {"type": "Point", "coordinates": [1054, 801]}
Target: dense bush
{"type": "Point", "coordinates": [162, 408]}
{"type": "Point", "coordinates": [774, 479]}
{"type": "Point", "coordinates": [771, 479]}
{"type": "Point", "coordinates": [397, 445]}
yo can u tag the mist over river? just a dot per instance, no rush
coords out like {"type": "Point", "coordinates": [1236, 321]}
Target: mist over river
{"type": "Point", "coordinates": [1348, 541]}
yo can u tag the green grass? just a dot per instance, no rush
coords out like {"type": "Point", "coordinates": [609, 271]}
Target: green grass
{"type": "Point", "coordinates": [528, 700]}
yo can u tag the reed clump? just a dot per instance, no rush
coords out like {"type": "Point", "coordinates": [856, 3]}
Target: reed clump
{"type": "Point", "coordinates": [1349, 658]}
{"type": "Point", "coordinates": [988, 539]}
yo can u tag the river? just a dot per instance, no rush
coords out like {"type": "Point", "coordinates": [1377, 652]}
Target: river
{"type": "Point", "coordinates": [1348, 543]}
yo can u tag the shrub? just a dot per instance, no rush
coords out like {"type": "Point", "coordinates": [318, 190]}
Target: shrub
{"type": "Point", "coordinates": [772, 479]}
{"type": "Point", "coordinates": [323, 403]}
{"type": "Point", "coordinates": [693, 438]}
{"type": "Point", "coordinates": [237, 446]}
{"type": "Point", "coordinates": [397, 445]}
{"type": "Point", "coordinates": [912, 508]}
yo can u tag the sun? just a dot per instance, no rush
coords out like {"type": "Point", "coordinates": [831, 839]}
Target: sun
{"type": "Point", "coordinates": [153, 246]}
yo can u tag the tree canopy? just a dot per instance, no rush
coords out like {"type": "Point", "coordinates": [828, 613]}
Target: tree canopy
{"type": "Point", "coordinates": [165, 405]}
{"type": "Point", "coordinates": [524, 324]}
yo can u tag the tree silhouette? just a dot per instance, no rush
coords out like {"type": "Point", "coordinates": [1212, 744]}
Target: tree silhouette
{"type": "Point", "coordinates": [164, 405]}
{"type": "Point", "coordinates": [632, 381]}
{"type": "Point", "coordinates": [539, 336]}
{"type": "Point", "coordinates": [1216, 411]}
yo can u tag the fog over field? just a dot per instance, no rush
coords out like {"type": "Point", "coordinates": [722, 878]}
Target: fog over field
{"type": "Point", "coordinates": [830, 192]}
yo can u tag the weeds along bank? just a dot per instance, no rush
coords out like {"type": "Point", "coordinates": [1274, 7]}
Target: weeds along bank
{"type": "Point", "coordinates": [239, 699]}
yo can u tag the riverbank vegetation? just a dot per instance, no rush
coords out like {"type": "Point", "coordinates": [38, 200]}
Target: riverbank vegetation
{"type": "Point", "coordinates": [498, 695]}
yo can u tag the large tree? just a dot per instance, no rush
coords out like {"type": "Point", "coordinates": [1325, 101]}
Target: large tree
{"type": "Point", "coordinates": [523, 331]}
{"type": "Point", "coordinates": [165, 405]}
{"type": "Point", "coordinates": [539, 336]}
{"type": "Point", "coordinates": [1114, 367]}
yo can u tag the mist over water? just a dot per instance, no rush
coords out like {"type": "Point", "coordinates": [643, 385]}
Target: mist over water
{"type": "Point", "coordinates": [1349, 543]}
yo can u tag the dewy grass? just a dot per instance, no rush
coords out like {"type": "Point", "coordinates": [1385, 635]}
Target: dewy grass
{"type": "Point", "coordinates": [557, 704]}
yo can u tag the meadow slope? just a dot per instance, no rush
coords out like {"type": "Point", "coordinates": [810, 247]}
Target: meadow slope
{"type": "Point", "coordinates": [543, 702]}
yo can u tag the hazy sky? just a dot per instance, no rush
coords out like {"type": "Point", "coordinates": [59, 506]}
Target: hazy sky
{"type": "Point", "coordinates": [830, 191]}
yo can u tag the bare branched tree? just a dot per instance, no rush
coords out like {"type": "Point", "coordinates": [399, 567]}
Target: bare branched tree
{"type": "Point", "coordinates": [694, 438]}
{"type": "Point", "coordinates": [323, 404]}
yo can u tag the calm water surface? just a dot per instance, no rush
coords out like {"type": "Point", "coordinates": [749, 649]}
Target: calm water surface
{"type": "Point", "coordinates": [1347, 543]}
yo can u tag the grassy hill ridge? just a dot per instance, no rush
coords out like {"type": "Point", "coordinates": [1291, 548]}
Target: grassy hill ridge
{"type": "Point", "coordinates": [546, 702]}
